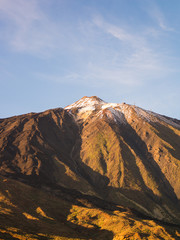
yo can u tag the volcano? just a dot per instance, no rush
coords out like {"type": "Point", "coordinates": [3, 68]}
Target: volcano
{"type": "Point", "coordinates": [99, 160]}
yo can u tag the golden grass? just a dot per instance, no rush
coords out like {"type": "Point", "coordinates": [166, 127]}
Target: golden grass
{"type": "Point", "coordinates": [122, 225]}
{"type": "Point", "coordinates": [39, 215]}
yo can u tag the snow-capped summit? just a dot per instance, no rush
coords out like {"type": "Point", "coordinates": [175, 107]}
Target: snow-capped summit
{"type": "Point", "coordinates": [86, 102]}
{"type": "Point", "coordinates": [119, 112]}
{"type": "Point", "coordinates": [116, 152]}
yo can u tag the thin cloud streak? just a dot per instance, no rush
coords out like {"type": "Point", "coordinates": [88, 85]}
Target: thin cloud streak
{"type": "Point", "coordinates": [27, 28]}
{"type": "Point", "coordinates": [155, 13]}
{"type": "Point", "coordinates": [36, 34]}
{"type": "Point", "coordinates": [118, 32]}
{"type": "Point", "coordinates": [142, 63]}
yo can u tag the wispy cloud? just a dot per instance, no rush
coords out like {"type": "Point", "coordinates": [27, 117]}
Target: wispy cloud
{"type": "Point", "coordinates": [133, 62]}
{"type": "Point", "coordinates": [157, 15]}
{"type": "Point", "coordinates": [139, 63]}
{"type": "Point", "coordinates": [27, 28]}
{"type": "Point", "coordinates": [118, 32]}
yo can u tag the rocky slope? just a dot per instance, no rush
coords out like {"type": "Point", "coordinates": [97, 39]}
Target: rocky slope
{"type": "Point", "coordinates": [115, 152]}
{"type": "Point", "coordinates": [30, 213]}
{"type": "Point", "coordinates": [134, 155]}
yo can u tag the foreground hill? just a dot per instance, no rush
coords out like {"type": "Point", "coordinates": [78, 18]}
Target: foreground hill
{"type": "Point", "coordinates": [30, 213]}
{"type": "Point", "coordinates": [120, 153]}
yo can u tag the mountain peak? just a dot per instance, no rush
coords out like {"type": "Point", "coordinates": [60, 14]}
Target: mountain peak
{"type": "Point", "coordinates": [91, 100]}
{"type": "Point", "coordinates": [84, 107]}
{"type": "Point", "coordinates": [85, 102]}
{"type": "Point", "coordinates": [110, 151]}
{"type": "Point", "coordinates": [118, 112]}
{"type": "Point", "coordinates": [94, 98]}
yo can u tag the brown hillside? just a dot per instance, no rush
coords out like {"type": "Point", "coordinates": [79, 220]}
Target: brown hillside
{"type": "Point", "coordinates": [36, 214]}
{"type": "Point", "coordinates": [114, 152]}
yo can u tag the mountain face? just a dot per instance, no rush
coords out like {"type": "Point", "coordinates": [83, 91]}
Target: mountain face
{"type": "Point", "coordinates": [119, 153]}
{"type": "Point", "coordinates": [129, 155]}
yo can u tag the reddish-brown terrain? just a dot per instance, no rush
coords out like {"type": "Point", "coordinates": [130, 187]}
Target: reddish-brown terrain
{"type": "Point", "coordinates": [114, 162]}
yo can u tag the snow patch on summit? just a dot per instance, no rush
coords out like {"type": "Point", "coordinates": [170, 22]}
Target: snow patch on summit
{"type": "Point", "coordinates": [115, 115]}
{"type": "Point", "coordinates": [87, 109]}
{"type": "Point", "coordinates": [110, 105]}
{"type": "Point", "coordinates": [144, 114]}
{"type": "Point", "coordinates": [85, 106]}
{"type": "Point", "coordinates": [165, 119]}
{"type": "Point", "coordinates": [113, 111]}
{"type": "Point", "coordinates": [117, 112]}
{"type": "Point", "coordinates": [121, 111]}
{"type": "Point", "coordinates": [155, 117]}
{"type": "Point", "coordinates": [86, 102]}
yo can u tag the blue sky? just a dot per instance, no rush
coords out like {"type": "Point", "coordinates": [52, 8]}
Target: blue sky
{"type": "Point", "coordinates": [52, 53]}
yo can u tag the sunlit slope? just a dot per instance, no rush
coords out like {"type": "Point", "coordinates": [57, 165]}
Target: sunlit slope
{"type": "Point", "coordinates": [116, 152]}
{"type": "Point", "coordinates": [130, 155]}
{"type": "Point", "coordinates": [36, 148]}
{"type": "Point", "coordinates": [30, 213]}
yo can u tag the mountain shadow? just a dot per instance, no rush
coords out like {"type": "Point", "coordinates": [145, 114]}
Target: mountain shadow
{"type": "Point", "coordinates": [41, 215]}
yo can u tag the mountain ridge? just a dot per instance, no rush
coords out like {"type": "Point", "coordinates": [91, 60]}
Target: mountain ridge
{"type": "Point", "coordinates": [120, 153]}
